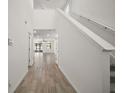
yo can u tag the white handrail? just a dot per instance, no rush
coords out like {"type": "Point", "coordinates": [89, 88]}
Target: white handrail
{"type": "Point", "coordinates": [101, 42]}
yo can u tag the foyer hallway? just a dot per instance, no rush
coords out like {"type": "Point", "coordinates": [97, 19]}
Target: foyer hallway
{"type": "Point", "coordinates": [45, 77]}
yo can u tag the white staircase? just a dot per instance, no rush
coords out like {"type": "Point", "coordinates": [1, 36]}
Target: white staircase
{"type": "Point", "coordinates": [112, 74]}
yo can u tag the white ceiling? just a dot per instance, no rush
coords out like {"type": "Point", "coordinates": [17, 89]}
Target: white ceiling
{"type": "Point", "coordinates": [40, 4]}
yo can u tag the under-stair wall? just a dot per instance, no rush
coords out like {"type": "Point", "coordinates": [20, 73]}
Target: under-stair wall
{"type": "Point", "coordinates": [83, 56]}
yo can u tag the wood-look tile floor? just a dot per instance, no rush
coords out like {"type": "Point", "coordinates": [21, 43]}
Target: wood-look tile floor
{"type": "Point", "coordinates": [45, 77]}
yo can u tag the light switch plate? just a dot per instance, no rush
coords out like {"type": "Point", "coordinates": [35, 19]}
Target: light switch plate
{"type": "Point", "coordinates": [10, 42]}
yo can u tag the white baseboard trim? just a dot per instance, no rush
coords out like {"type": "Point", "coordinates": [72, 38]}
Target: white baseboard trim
{"type": "Point", "coordinates": [18, 83]}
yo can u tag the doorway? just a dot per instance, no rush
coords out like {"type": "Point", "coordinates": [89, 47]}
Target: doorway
{"type": "Point", "coordinates": [30, 49]}
{"type": "Point", "coordinates": [45, 41]}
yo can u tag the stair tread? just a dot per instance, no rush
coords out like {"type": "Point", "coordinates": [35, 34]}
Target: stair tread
{"type": "Point", "coordinates": [112, 67]}
{"type": "Point", "coordinates": [112, 73]}
{"type": "Point", "coordinates": [112, 92]}
{"type": "Point", "coordinates": [112, 60]}
{"type": "Point", "coordinates": [112, 87]}
{"type": "Point", "coordinates": [112, 79]}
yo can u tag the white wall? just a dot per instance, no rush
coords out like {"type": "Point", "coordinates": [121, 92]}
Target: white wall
{"type": "Point", "coordinates": [56, 47]}
{"type": "Point", "coordinates": [82, 61]}
{"type": "Point", "coordinates": [44, 19]}
{"type": "Point", "coordinates": [40, 4]}
{"type": "Point", "coordinates": [19, 12]}
{"type": "Point", "coordinates": [101, 11]}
